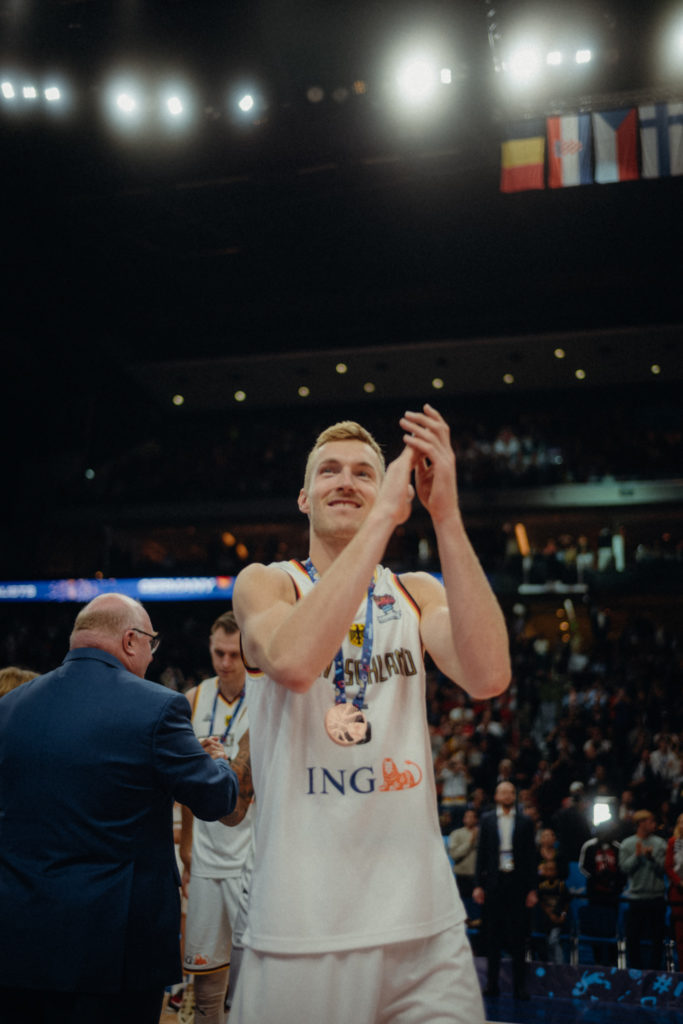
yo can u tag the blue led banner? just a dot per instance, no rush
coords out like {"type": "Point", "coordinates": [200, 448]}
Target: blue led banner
{"type": "Point", "coordinates": [167, 588]}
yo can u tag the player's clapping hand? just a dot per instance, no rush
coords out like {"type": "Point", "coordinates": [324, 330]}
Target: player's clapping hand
{"type": "Point", "coordinates": [428, 436]}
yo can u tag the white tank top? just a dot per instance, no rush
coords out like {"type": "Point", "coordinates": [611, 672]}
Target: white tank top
{"type": "Point", "coordinates": [217, 850]}
{"type": "Point", "coordinates": [348, 850]}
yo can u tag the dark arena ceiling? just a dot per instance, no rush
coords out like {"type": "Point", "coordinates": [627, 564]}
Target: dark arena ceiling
{"type": "Point", "coordinates": [332, 224]}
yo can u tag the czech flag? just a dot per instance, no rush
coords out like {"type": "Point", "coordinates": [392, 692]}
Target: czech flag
{"type": "Point", "coordinates": [616, 145]}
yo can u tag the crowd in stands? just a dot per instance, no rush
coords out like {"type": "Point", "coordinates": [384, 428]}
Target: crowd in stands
{"type": "Point", "coordinates": [606, 726]}
{"type": "Point", "coordinates": [499, 445]}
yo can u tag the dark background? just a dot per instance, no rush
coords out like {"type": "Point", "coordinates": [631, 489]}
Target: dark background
{"type": "Point", "coordinates": [239, 254]}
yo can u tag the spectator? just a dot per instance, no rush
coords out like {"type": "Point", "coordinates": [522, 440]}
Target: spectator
{"type": "Point", "coordinates": [505, 886]}
{"type": "Point", "coordinates": [11, 677]}
{"type": "Point", "coordinates": [605, 881]}
{"type": "Point", "coordinates": [641, 858]}
{"type": "Point", "coordinates": [674, 869]}
{"type": "Point", "coordinates": [571, 823]}
{"type": "Point", "coordinates": [550, 915]}
{"type": "Point", "coordinates": [455, 780]}
{"type": "Point", "coordinates": [462, 847]}
{"type": "Point", "coordinates": [548, 850]}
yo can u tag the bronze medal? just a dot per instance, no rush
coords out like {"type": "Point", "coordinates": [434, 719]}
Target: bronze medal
{"type": "Point", "coordinates": [346, 725]}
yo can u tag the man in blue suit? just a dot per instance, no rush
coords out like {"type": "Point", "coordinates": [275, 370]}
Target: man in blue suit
{"type": "Point", "coordinates": [92, 757]}
{"type": "Point", "coordinates": [505, 881]}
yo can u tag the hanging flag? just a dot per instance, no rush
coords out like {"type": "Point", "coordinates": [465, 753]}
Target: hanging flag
{"type": "Point", "coordinates": [615, 141]}
{"type": "Point", "coordinates": [569, 150]}
{"type": "Point", "coordinates": [523, 156]}
{"type": "Point", "coordinates": [661, 139]}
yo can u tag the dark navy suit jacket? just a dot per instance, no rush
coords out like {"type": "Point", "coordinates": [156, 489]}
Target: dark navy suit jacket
{"type": "Point", "coordinates": [91, 761]}
{"type": "Point", "coordinates": [523, 851]}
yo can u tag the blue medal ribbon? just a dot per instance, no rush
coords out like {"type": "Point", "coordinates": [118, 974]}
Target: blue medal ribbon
{"type": "Point", "coordinates": [366, 652]}
{"type": "Point", "coordinates": [232, 717]}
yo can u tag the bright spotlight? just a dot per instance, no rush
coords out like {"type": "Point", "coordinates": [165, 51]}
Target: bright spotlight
{"type": "Point", "coordinates": [29, 92]}
{"type": "Point", "coordinates": [52, 94]}
{"type": "Point", "coordinates": [416, 81]}
{"type": "Point", "coordinates": [246, 103]}
{"type": "Point", "coordinates": [554, 59]}
{"type": "Point", "coordinates": [177, 104]}
{"type": "Point", "coordinates": [671, 46]}
{"type": "Point", "coordinates": [524, 64]}
{"type": "Point", "coordinates": [8, 90]}
{"type": "Point", "coordinates": [126, 103]}
{"type": "Point", "coordinates": [603, 810]}
{"type": "Point", "coordinates": [583, 56]}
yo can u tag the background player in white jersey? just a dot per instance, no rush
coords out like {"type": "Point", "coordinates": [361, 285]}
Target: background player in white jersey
{"type": "Point", "coordinates": [353, 912]}
{"type": "Point", "coordinates": [213, 858]}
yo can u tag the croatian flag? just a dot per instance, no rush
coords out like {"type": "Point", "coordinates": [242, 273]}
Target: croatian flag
{"type": "Point", "coordinates": [661, 139]}
{"type": "Point", "coordinates": [615, 141]}
{"type": "Point", "coordinates": [569, 150]}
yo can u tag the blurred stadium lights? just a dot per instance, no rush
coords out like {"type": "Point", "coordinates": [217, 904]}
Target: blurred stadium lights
{"type": "Point", "coordinates": [177, 106]}
{"type": "Point", "coordinates": [416, 80]}
{"type": "Point", "coordinates": [671, 45]}
{"type": "Point", "coordinates": [524, 63]}
{"type": "Point", "coordinates": [125, 102]}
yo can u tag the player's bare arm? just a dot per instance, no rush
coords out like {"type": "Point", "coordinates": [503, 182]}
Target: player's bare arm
{"type": "Point", "coordinates": [462, 624]}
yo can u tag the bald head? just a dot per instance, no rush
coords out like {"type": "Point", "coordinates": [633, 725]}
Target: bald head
{"type": "Point", "coordinates": [117, 624]}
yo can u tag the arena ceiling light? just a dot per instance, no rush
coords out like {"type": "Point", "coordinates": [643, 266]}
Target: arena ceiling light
{"type": "Point", "coordinates": [524, 63]}
{"type": "Point", "coordinates": [671, 45]}
{"type": "Point", "coordinates": [177, 106]}
{"type": "Point", "coordinates": [417, 79]}
{"type": "Point", "coordinates": [126, 102]}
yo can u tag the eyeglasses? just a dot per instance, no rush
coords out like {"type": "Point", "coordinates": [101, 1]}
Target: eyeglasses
{"type": "Point", "coordinates": [154, 638]}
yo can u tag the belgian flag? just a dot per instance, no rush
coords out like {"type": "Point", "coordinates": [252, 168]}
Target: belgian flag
{"type": "Point", "coordinates": [523, 156]}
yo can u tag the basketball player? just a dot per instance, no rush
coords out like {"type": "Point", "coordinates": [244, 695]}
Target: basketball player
{"type": "Point", "coordinates": [213, 855]}
{"type": "Point", "coordinates": [354, 913]}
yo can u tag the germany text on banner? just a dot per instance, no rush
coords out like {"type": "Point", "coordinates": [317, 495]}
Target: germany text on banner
{"type": "Point", "coordinates": [616, 149]}
{"type": "Point", "coordinates": [569, 150]}
{"type": "Point", "coordinates": [523, 156]}
{"type": "Point", "coordinates": [661, 139]}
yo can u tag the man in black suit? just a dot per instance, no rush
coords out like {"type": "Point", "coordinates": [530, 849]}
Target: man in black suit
{"type": "Point", "coordinates": [505, 884]}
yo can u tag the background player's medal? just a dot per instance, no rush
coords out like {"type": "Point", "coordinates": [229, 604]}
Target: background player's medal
{"type": "Point", "coordinates": [346, 725]}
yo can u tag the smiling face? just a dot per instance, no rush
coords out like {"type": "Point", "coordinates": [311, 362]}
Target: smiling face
{"type": "Point", "coordinates": [345, 478]}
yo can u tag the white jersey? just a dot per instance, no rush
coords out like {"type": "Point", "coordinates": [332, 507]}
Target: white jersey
{"type": "Point", "coordinates": [348, 850]}
{"type": "Point", "coordinates": [219, 851]}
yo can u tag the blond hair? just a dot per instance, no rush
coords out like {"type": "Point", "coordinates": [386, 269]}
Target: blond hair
{"type": "Point", "coordinates": [11, 677]}
{"type": "Point", "coordinates": [345, 430]}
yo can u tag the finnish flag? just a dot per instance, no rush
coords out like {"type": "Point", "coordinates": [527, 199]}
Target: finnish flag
{"type": "Point", "coordinates": [661, 139]}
